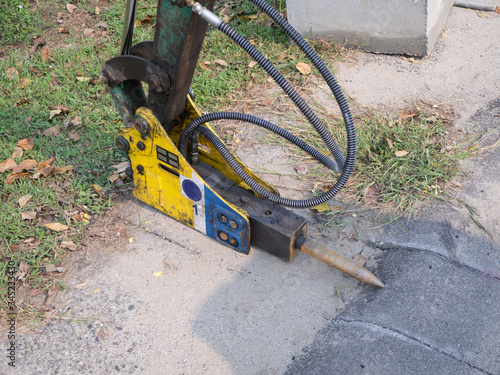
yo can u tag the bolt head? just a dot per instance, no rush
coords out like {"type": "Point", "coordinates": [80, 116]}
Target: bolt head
{"type": "Point", "coordinates": [141, 146]}
{"type": "Point", "coordinates": [141, 125]}
{"type": "Point", "coordinates": [122, 143]}
{"type": "Point", "coordinates": [103, 79]}
{"type": "Point", "coordinates": [153, 80]}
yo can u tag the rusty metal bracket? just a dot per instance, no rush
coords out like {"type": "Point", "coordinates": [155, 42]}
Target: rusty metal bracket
{"type": "Point", "coordinates": [124, 68]}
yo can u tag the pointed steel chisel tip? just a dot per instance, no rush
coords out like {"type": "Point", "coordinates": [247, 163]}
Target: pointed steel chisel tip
{"type": "Point", "coordinates": [338, 262]}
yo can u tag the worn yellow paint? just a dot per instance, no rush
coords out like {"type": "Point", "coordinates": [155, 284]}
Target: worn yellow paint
{"type": "Point", "coordinates": [156, 186]}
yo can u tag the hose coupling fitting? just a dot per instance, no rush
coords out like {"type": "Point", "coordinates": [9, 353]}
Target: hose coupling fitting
{"type": "Point", "coordinates": [204, 13]}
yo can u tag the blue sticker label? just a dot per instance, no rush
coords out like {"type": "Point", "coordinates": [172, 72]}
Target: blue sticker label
{"type": "Point", "coordinates": [191, 190]}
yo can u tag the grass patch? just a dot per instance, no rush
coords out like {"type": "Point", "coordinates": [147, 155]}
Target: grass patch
{"type": "Point", "coordinates": [216, 86]}
{"type": "Point", "coordinates": [19, 21]}
{"type": "Point", "coordinates": [400, 160]}
{"type": "Point", "coordinates": [56, 101]}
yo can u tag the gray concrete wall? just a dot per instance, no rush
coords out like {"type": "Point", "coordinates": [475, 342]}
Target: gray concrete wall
{"type": "Point", "coordinates": [397, 26]}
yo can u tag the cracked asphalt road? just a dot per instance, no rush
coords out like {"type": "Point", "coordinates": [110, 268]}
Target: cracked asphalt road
{"type": "Point", "coordinates": [434, 317]}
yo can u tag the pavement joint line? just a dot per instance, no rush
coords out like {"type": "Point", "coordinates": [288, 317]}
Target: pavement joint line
{"type": "Point", "coordinates": [402, 335]}
{"type": "Point", "coordinates": [455, 262]}
{"type": "Point", "coordinates": [166, 239]}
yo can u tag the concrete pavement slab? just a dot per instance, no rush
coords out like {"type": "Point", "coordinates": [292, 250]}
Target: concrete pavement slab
{"type": "Point", "coordinates": [434, 317]}
{"type": "Point", "coordinates": [176, 302]}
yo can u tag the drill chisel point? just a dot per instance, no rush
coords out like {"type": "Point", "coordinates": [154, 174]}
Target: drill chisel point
{"type": "Point", "coordinates": [339, 262]}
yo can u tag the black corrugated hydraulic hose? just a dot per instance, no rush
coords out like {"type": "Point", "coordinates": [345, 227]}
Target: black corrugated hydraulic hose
{"type": "Point", "coordinates": [196, 124]}
{"type": "Point", "coordinates": [345, 164]}
{"type": "Point", "coordinates": [285, 85]}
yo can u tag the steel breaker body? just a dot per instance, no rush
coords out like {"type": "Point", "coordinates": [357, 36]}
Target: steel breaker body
{"type": "Point", "coordinates": [204, 193]}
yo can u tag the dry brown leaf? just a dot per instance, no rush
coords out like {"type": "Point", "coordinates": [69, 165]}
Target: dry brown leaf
{"type": "Point", "coordinates": [220, 62]}
{"type": "Point", "coordinates": [24, 199]}
{"type": "Point", "coordinates": [372, 192]}
{"type": "Point", "coordinates": [23, 270]}
{"type": "Point", "coordinates": [147, 19]}
{"type": "Point", "coordinates": [70, 7]}
{"type": "Point", "coordinates": [56, 227]}
{"type": "Point", "coordinates": [95, 231]}
{"type": "Point", "coordinates": [97, 10]}
{"type": "Point", "coordinates": [252, 63]}
{"type": "Point", "coordinates": [26, 144]}
{"type": "Point", "coordinates": [84, 79]}
{"type": "Point", "coordinates": [389, 142]}
{"type": "Point", "coordinates": [76, 121]}
{"type": "Point", "coordinates": [23, 82]}
{"type": "Point", "coordinates": [45, 169]}
{"type": "Point", "coordinates": [87, 33]}
{"type": "Point", "coordinates": [62, 170]}
{"type": "Point", "coordinates": [281, 57]}
{"type": "Point", "coordinates": [401, 153]}
{"type": "Point", "coordinates": [325, 188]}
{"type": "Point", "coordinates": [25, 165]}
{"type": "Point", "coordinates": [74, 136]}
{"type": "Point", "coordinates": [12, 72]}
{"type": "Point", "coordinates": [119, 168]}
{"type": "Point", "coordinates": [45, 55]}
{"type": "Point", "coordinates": [39, 42]}
{"type": "Point", "coordinates": [78, 216]}
{"type": "Point", "coordinates": [406, 116]}
{"type": "Point", "coordinates": [321, 208]}
{"type": "Point", "coordinates": [98, 189]}
{"type": "Point", "coordinates": [7, 164]}
{"type": "Point", "coordinates": [14, 176]}
{"type": "Point", "coordinates": [63, 30]}
{"type": "Point", "coordinates": [303, 68]}
{"type": "Point", "coordinates": [53, 131]}
{"type": "Point", "coordinates": [113, 178]}
{"type": "Point", "coordinates": [50, 161]}
{"type": "Point", "coordinates": [21, 102]}
{"type": "Point", "coordinates": [17, 153]}
{"type": "Point", "coordinates": [29, 215]}
{"type": "Point", "coordinates": [62, 108]}
{"type": "Point", "coordinates": [204, 66]}
{"type": "Point", "coordinates": [69, 245]}
{"type": "Point", "coordinates": [15, 247]}
{"type": "Point", "coordinates": [48, 269]}
{"type": "Point", "coordinates": [54, 112]}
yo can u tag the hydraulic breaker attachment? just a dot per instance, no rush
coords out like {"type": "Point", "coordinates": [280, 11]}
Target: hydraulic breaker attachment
{"type": "Point", "coordinates": [181, 167]}
{"type": "Point", "coordinates": [165, 180]}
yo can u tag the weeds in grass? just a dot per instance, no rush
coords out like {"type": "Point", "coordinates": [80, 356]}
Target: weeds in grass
{"type": "Point", "coordinates": [400, 161]}
{"type": "Point", "coordinates": [19, 21]}
{"type": "Point", "coordinates": [32, 86]}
